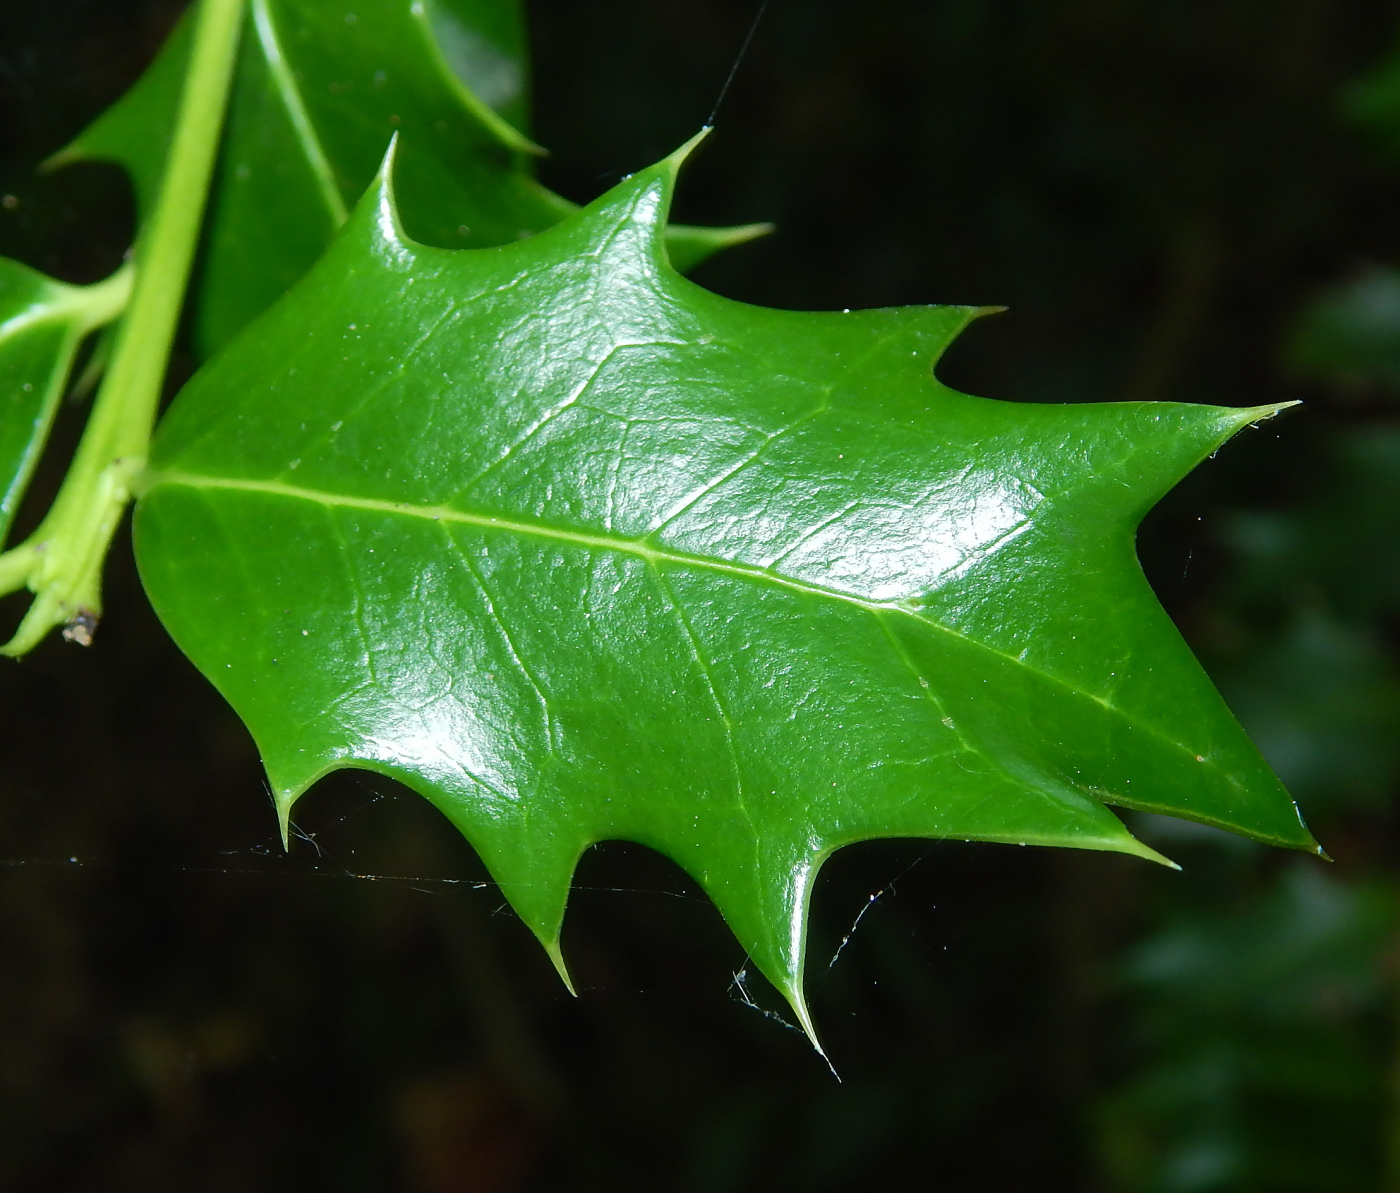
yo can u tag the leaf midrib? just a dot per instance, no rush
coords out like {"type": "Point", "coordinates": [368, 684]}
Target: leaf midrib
{"type": "Point", "coordinates": [442, 513]}
{"type": "Point", "coordinates": [653, 556]}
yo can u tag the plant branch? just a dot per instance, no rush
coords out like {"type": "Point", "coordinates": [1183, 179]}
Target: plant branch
{"type": "Point", "coordinates": [61, 562]}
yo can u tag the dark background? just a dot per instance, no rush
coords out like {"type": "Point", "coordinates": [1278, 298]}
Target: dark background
{"type": "Point", "coordinates": [1159, 190]}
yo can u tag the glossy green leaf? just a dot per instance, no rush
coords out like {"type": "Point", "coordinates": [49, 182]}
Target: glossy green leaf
{"type": "Point", "coordinates": [579, 551]}
{"type": "Point", "coordinates": [320, 90]}
{"type": "Point", "coordinates": [42, 325]}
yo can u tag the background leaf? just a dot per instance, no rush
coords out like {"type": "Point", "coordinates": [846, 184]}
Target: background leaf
{"type": "Point", "coordinates": [1256, 1018]}
{"type": "Point", "coordinates": [1349, 336]}
{"type": "Point", "coordinates": [581, 551]}
{"type": "Point", "coordinates": [318, 94]}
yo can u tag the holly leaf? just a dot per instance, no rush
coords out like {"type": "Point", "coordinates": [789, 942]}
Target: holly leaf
{"type": "Point", "coordinates": [42, 325]}
{"type": "Point", "coordinates": [318, 92]}
{"type": "Point", "coordinates": [581, 551]}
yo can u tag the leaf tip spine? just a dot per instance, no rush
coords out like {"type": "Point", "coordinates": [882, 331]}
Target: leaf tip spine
{"type": "Point", "coordinates": [1310, 843]}
{"type": "Point", "coordinates": [1253, 415]}
{"type": "Point", "coordinates": [387, 228]}
{"type": "Point", "coordinates": [678, 158]}
{"type": "Point", "coordinates": [556, 957]}
{"type": "Point", "coordinates": [797, 1000]}
{"type": "Point", "coordinates": [1149, 854]}
{"type": "Point", "coordinates": [725, 238]}
{"type": "Point", "coordinates": [67, 156]}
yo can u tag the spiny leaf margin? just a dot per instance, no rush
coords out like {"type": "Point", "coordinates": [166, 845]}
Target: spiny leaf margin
{"type": "Point", "coordinates": [769, 914]}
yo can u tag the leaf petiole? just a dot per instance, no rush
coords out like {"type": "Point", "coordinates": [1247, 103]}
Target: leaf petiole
{"type": "Point", "coordinates": [61, 562]}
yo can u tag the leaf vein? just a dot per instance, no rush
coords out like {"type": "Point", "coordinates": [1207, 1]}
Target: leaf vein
{"type": "Point", "coordinates": [654, 555]}
{"type": "Point", "coordinates": [707, 673]}
{"type": "Point", "coordinates": [361, 602]}
{"type": "Point", "coordinates": [517, 658]}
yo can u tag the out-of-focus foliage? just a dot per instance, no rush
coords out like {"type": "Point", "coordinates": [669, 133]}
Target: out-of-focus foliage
{"type": "Point", "coordinates": [1350, 337]}
{"type": "Point", "coordinates": [1262, 1016]}
{"type": "Point", "coordinates": [42, 325]}
{"type": "Point", "coordinates": [318, 93]}
{"type": "Point", "coordinates": [1259, 1022]}
{"type": "Point", "coordinates": [1303, 636]}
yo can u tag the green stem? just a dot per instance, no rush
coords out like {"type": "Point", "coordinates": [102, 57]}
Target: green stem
{"type": "Point", "coordinates": [85, 308]}
{"type": "Point", "coordinates": [61, 562]}
{"type": "Point", "coordinates": [99, 304]}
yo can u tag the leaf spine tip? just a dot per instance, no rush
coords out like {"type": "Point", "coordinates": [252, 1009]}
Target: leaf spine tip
{"type": "Point", "coordinates": [1149, 854]}
{"type": "Point", "coordinates": [556, 956]}
{"type": "Point", "coordinates": [680, 155]}
{"type": "Point", "coordinates": [1251, 415]}
{"type": "Point", "coordinates": [386, 208]}
{"type": "Point", "coordinates": [73, 152]}
{"type": "Point", "coordinates": [798, 1002]}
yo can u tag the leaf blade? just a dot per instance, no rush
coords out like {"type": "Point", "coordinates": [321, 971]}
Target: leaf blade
{"type": "Point", "coordinates": [579, 575]}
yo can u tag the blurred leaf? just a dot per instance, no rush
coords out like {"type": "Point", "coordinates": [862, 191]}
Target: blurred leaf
{"type": "Point", "coordinates": [1321, 699]}
{"type": "Point", "coordinates": [580, 551]}
{"type": "Point", "coordinates": [483, 42]}
{"type": "Point", "coordinates": [42, 325]}
{"type": "Point", "coordinates": [1373, 102]}
{"type": "Point", "coordinates": [1350, 335]}
{"type": "Point", "coordinates": [1306, 663]}
{"type": "Point", "coordinates": [1336, 545]}
{"type": "Point", "coordinates": [318, 94]}
{"type": "Point", "coordinates": [1254, 1023]}
{"type": "Point", "coordinates": [1260, 1014]}
{"type": "Point", "coordinates": [1306, 951]}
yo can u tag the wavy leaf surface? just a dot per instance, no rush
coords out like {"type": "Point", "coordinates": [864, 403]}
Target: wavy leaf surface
{"type": "Point", "coordinates": [580, 551]}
